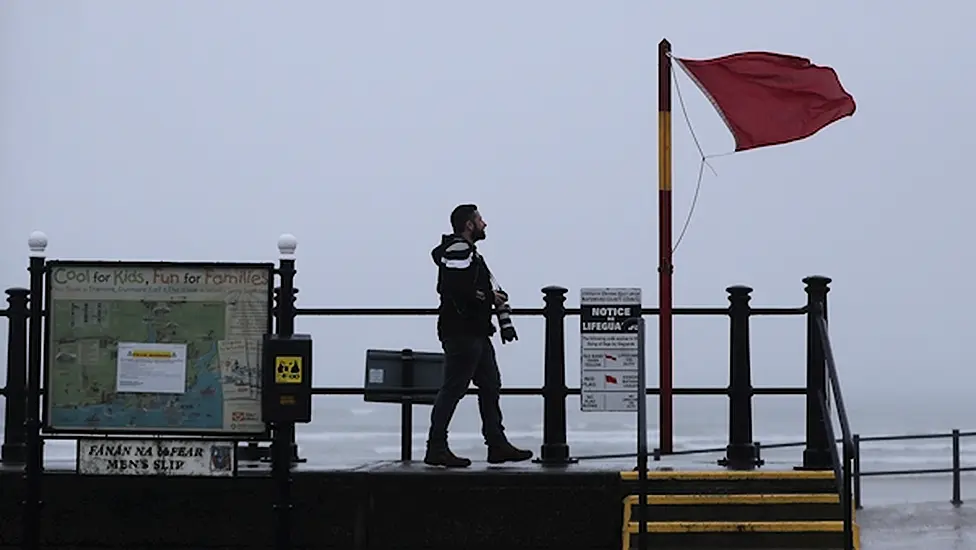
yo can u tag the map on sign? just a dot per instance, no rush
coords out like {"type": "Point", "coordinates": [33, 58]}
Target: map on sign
{"type": "Point", "coordinates": [167, 348]}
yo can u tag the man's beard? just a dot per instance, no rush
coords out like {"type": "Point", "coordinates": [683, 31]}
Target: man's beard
{"type": "Point", "coordinates": [478, 235]}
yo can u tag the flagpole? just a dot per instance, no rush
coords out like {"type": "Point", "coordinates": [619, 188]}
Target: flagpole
{"type": "Point", "coordinates": [665, 267]}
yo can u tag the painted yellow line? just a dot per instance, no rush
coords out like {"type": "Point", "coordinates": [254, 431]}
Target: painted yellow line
{"type": "Point", "coordinates": [661, 500]}
{"type": "Point", "coordinates": [740, 526]}
{"type": "Point", "coordinates": [714, 475]}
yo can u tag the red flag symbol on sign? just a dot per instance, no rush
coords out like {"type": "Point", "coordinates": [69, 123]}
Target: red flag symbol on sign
{"type": "Point", "coordinates": [610, 379]}
{"type": "Point", "coordinates": [610, 357]}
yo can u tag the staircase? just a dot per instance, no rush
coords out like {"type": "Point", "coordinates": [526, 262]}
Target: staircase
{"type": "Point", "coordinates": [736, 509]}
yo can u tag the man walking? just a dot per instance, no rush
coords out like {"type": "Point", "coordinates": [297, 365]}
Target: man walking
{"type": "Point", "coordinates": [467, 301]}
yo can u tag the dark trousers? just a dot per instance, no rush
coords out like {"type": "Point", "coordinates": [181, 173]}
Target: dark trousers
{"type": "Point", "coordinates": [467, 359]}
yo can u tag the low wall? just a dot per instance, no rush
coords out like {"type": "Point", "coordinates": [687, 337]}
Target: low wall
{"type": "Point", "coordinates": [383, 507]}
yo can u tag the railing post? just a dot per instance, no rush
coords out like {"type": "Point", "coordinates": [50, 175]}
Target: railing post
{"type": "Point", "coordinates": [956, 470]}
{"type": "Point", "coordinates": [287, 294]}
{"type": "Point", "coordinates": [14, 449]}
{"type": "Point", "coordinates": [284, 451]}
{"type": "Point", "coordinates": [816, 456]}
{"type": "Point", "coordinates": [856, 439]}
{"type": "Point", "coordinates": [35, 445]}
{"type": "Point", "coordinates": [406, 407]}
{"type": "Point", "coordinates": [554, 450]}
{"type": "Point", "coordinates": [740, 453]}
{"type": "Point", "coordinates": [847, 497]}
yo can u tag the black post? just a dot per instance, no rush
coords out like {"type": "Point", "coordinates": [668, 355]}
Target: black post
{"type": "Point", "coordinates": [281, 471]}
{"type": "Point", "coordinates": [642, 515]}
{"type": "Point", "coordinates": [32, 425]}
{"type": "Point", "coordinates": [406, 407]}
{"type": "Point", "coordinates": [285, 314]}
{"type": "Point", "coordinates": [816, 456]}
{"type": "Point", "coordinates": [14, 449]}
{"type": "Point", "coordinates": [554, 450]}
{"type": "Point", "coordinates": [956, 470]}
{"type": "Point", "coordinates": [847, 501]}
{"type": "Point", "coordinates": [857, 470]}
{"type": "Point", "coordinates": [740, 454]}
{"type": "Point", "coordinates": [283, 448]}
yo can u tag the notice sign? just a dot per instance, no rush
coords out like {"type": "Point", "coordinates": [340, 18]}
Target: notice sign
{"type": "Point", "coordinates": [151, 368]}
{"type": "Point", "coordinates": [156, 457]}
{"type": "Point", "coordinates": [608, 353]}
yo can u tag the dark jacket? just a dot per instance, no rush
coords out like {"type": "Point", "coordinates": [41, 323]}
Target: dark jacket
{"type": "Point", "coordinates": [464, 286]}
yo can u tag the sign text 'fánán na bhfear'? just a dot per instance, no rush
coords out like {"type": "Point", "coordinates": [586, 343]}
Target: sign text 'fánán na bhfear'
{"type": "Point", "coordinates": [155, 457]}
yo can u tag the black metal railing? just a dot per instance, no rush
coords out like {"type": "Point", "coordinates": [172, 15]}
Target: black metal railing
{"type": "Point", "coordinates": [555, 448]}
{"type": "Point", "coordinates": [13, 448]}
{"type": "Point", "coordinates": [25, 369]}
{"type": "Point", "coordinates": [27, 319]}
{"type": "Point", "coordinates": [22, 436]}
{"type": "Point", "coordinates": [24, 348]}
{"type": "Point", "coordinates": [956, 468]}
{"type": "Point", "coordinates": [844, 462]}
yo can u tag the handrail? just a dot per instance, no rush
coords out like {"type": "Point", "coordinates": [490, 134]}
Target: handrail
{"type": "Point", "coordinates": [845, 425]}
{"type": "Point", "coordinates": [843, 465]}
{"type": "Point", "coordinates": [526, 311]}
{"type": "Point", "coordinates": [416, 392]}
{"type": "Point", "coordinates": [536, 391]}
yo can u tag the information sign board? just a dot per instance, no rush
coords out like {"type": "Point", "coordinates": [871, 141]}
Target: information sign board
{"type": "Point", "coordinates": [608, 352]}
{"type": "Point", "coordinates": [146, 347]}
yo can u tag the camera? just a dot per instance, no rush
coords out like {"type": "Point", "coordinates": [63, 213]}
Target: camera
{"type": "Point", "coordinates": [504, 314]}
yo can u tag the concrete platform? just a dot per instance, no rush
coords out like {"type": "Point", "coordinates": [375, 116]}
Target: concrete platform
{"type": "Point", "coordinates": [390, 505]}
{"type": "Point", "coordinates": [383, 505]}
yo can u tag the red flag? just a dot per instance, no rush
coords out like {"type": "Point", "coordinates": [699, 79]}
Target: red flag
{"type": "Point", "coordinates": [769, 98]}
{"type": "Point", "coordinates": [610, 379]}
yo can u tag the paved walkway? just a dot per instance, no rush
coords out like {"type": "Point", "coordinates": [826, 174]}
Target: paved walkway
{"type": "Point", "coordinates": [929, 526]}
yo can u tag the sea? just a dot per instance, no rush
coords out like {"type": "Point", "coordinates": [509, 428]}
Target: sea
{"type": "Point", "coordinates": [905, 511]}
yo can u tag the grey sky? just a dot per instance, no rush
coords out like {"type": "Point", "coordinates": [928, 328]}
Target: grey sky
{"type": "Point", "coordinates": [188, 130]}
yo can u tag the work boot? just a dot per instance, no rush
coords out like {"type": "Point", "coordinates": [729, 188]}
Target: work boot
{"type": "Point", "coordinates": [506, 452]}
{"type": "Point", "coordinates": [444, 457]}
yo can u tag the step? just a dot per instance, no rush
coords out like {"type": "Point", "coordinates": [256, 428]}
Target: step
{"type": "Point", "coordinates": [730, 534]}
{"type": "Point", "coordinates": [662, 482]}
{"type": "Point", "coordinates": [737, 507]}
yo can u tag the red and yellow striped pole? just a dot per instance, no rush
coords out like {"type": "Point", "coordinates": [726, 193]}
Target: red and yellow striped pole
{"type": "Point", "coordinates": [665, 267]}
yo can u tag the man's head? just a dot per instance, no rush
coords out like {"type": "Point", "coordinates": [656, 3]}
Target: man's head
{"type": "Point", "coordinates": [467, 222]}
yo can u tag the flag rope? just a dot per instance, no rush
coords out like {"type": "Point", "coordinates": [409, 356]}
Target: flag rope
{"type": "Point", "coordinates": [701, 166]}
